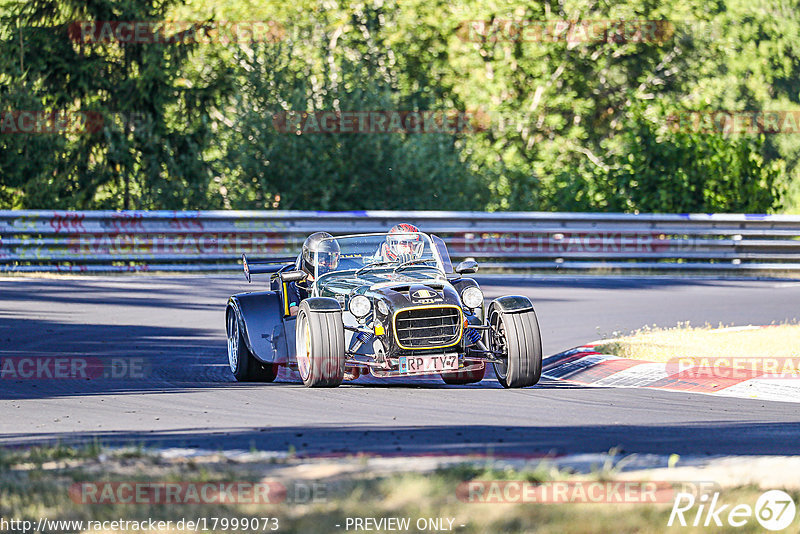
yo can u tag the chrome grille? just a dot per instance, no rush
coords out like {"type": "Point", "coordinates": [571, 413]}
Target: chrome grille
{"type": "Point", "coordinates": [428, 327]}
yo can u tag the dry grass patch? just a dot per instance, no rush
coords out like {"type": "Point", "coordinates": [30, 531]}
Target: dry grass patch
{"type": "Point", "coordinates": [29, 491]}
{"type": "Point", "coordinates": [684, 341]}
{"type": "Point", "coordinates": [32, 486]}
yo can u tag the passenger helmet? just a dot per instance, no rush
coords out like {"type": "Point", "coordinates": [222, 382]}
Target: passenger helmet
{"type": "Point", "coordinates": [403, 243]}
{"type": "Point", "coordinates": [320, 253]}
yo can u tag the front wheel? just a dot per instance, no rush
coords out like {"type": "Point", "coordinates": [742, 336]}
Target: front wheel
{"type": "Point", "coordinates": [515, 336]}
{"type": "Point", "coordinates": [320, 347]}
{"type": "Point", "coordinates": [244, 366]}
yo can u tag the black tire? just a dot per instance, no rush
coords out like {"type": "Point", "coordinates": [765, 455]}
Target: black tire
{"type": "Point", "coordinates": [517, 335]}
{"type": "Point", "coordinates": [320, 347]}
{"type": "Point", "coordinates": [244, 366]}
{"type": "Point", "coordinates": [461, 378]}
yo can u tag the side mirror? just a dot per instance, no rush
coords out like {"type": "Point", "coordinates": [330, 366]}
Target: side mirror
{"type": "Point", "coordinates": [468, 266]}
{"type": "Point", "coordinates": [293, 276]}
{"type": "Point", "coordinates": [246, 267]}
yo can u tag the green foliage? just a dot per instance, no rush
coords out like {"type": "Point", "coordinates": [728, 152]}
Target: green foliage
{"type": "Point", "coordinates": [268, 167]}
{"type": "Point", "coordinates": [690, 172]}
{"type": "Point", "coordinates": [148, 151]}
{"type": "Point", "coordinates": [572, 125]}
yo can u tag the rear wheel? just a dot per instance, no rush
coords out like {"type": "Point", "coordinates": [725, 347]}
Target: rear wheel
{"type": "Point", "coordinates": [244, 366]}
{"type": "Point", "coordinates": [320, 347]}
{"type": "Point", "coordinates": [460, 378]}
{"type": "Point", "coordinates": [516, 338]}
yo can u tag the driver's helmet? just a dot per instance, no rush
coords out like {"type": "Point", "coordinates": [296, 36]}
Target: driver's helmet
{"type": "Point", "coordinates": [320, 253]}
{"type": "Point", "coordinates": [403, 243]}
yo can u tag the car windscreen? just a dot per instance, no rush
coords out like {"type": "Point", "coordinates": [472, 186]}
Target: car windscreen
{"type": "Point", "coordinates": [380, 251]}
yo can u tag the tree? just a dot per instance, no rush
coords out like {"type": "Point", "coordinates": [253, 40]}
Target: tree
{"type": "Point", "coordinates": [665, 169]}
{"type": "Point", "coordinates": [145, 147]}
{"type": "Point", "coordinates": [267, 167]}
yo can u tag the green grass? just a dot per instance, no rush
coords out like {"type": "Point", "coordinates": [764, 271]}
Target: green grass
{"type": "Point", "coordinates": [40, 454]}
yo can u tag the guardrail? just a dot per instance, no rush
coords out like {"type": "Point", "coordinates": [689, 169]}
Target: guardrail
{"type": "Point", "coordinates": [106, 241]}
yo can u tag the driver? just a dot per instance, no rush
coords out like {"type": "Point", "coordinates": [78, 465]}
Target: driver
{"type": "Point", "coordinates": [320, 255]}
{"type": "Point", "coordinates": [403, 243]}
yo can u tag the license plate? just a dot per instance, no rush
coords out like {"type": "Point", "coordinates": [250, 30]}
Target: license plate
{"type": "Point", "coordinates": [433, 364]}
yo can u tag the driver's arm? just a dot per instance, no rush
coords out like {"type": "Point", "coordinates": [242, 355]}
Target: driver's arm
{"type": "Point", "coordinates": [294, 296]}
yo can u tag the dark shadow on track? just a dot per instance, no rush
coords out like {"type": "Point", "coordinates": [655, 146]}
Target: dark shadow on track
{"type": "Point", "coordinates": [708, 438]}
{"type": "Point", "coordinates": [126, 359]}
{"type": "Point", "coordinates": [117, 358]}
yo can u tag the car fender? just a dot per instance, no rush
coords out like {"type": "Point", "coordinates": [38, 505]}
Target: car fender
{"type": "Point", "coordinates": [260, 317]}
{"type": "Point", "coordinates": [323, 304]}
{"type": "Point", "coordinates": [512, 304]}
{"type": "Point", "coordinates": [463, 283]}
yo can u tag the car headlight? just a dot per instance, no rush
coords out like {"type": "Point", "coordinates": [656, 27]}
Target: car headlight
{"type": "Point", "coordinates": [382, 307]}
{"type": "Point", "coordinates": [360, 306]}
{"type": "Point", "coordinates": [472, 297]}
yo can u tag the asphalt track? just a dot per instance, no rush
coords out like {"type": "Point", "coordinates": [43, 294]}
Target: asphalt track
{"type": "Point", "coordinates": [170, 331]}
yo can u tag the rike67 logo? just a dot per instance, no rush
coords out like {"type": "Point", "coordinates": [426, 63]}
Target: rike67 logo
{"type": "Point", "coordinates": [774, 510]}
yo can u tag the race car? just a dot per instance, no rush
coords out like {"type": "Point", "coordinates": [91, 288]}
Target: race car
{"type": "Point", "coordinates": [369, 314]}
